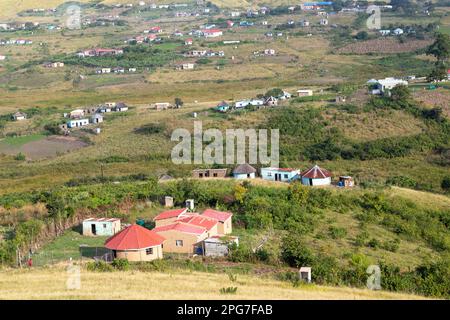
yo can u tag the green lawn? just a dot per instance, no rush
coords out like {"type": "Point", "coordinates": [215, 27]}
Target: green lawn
{"type": "Point", "coordinates": [20, 141]}
{"type": "Point", "coordinates": [68, 246]}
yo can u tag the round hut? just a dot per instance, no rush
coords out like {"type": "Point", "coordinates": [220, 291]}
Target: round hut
{"type": "Point", "coordinates": [316, 176]}
{"type": "Point", "coordinates": [136, 243]}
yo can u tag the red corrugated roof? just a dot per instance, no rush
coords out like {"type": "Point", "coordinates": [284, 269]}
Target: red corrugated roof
{"type": "Point", "coordinates": [182, 227]}
{"type": "Point", "coordinates": [170, 214]}
{"type": "Point", "coordinates": [134, 237]}
{"type": "Point", "coordinates": [316, 173]}
{"type": "Point", "coordinates": [201, 221]}
{"type": "Point", "coordinates": [218, 215]}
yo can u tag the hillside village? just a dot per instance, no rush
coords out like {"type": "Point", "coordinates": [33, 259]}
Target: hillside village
{"type": "Point", "coordinates": [87, 117]}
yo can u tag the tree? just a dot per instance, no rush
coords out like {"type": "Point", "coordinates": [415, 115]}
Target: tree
{"type": "Point", "coordinates": [275, 92]}
{"type": "Point", "coordinates": [440, 48]}
{"type": "Point", "coordinates": [400, 94]}
{"type": "Point", "coordinates": [439, 72]}
{"type": "Point", "coordinates": [362, 35]}
{"type": "Point", "coordinates": [445, 185]}
{"type": "Point", "coordinates": [299, 193]}
{"type": "Point", "coordinates": [178, 102]}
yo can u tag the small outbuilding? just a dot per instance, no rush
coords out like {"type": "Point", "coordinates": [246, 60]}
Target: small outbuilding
{"type": "Point", "coordinates": [346, 181]}
{"type": "Point", "coordinates": [244, 171]}
{"type": "Point", "coordinates": [316, 176]}
{"type": "Point", "coordinates": [136, 243]}
{"type": "Point", "coordinates": [218, 246]}
{"type": "Point", "coordinates": [18, 116]}
{"type": "Point", "coordinates": [97, 118]}
{"type": "Point", "coordinates": [101, 226]}
{"type": "Point", "coordinates": [305, 274]}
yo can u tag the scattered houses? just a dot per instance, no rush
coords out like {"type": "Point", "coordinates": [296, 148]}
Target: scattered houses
{"type": "Point", "coordinates": [316, 176]}
{"type": "Point", "coordinates": [18, 116]}
{"type": "Point", "coordinates": [162, 106]}
{"type": "Point", "coordinates": [99, 52]}
{"type": "Point", "coordinates": [101, 226]}
{"type": "Point", "coordinates": [54, 65]}
{"type": "Point", "coordinates": [207, 173]}
{"type": "Point", "coordinates": [212, 33]}
{"type": "Point", "coordinates": [383, 85]}
{"type": "Point", "coordinates": [304, 93]}
{"type": "Point", "coordinates": [185, 66]}
{"type": "Point", "coordinates": [244, 171]}
{"type": "Point", "coordinates": [136, 243]}
{"type": "Point", "coordinates": [185, 231]}
{"type": "Point", "coordinates": [280, 174]}
{"type": "Point", "coordinates": [222, 107]}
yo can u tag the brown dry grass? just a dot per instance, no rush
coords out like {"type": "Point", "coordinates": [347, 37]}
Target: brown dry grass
{"type": "Point", "coordinates": [50, 283]}
{"type": "Point", "coordinates": [384, 45]}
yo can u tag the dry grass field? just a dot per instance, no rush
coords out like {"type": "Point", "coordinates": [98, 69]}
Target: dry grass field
{"type": "Point", "coordinates": [50, 284]}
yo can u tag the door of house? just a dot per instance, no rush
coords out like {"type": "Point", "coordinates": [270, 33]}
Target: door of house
{"type": "Point", "coordinates": [310, 181]}
{"type": "Point", "coordinates": [93, 229]}
{"type": "Point", "coordinates": [277, 177]}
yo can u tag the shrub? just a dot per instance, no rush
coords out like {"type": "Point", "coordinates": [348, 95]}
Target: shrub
{"type": "Point", "coordinates": [294, 252]}
{"type": "Point", "coordinates": [374, 243]}
{"type": "Point", "coordinates": [99, 266]}
{"type": "Point", "coordinates": [228, 290]}
{"type": "Point", "coordinates": [445, 184]}
{"type": "Point", "coordinates": [20, 157]}
{"type": "Point", "coordinates": [337, 233]}
{"type": "Point", "coordinates": [121, 264]}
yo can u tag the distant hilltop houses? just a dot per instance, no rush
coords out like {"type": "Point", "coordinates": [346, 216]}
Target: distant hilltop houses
{"type": "Point", "coordinates": [15, 42]}
{"type": "Point", "coordinates": [99, 52]}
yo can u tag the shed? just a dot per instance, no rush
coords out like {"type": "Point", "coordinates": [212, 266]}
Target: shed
{"type": "Point", "coordinates": [346, 181]}
{"type": "Point", "coordinates": [19, 116]}
{"type": "Point", "coordinates": [305, 274]}
{"type": "Point", "coordinates": [244, 171]}
{"type": "Point", "coordinates": [101, 226]}
{"type": "Point", "coordinates": [207, 173]}
{"type": "Point", "coordinates": [304, 93]}
{"type": "Point", "coordinates": [136, 243]}
{"type": "Point", "coordinates": [218, 246]}
{"type": "Point", "coordinates": [97, 118]}
{"type": "Point", "coordinates": [316, 176]}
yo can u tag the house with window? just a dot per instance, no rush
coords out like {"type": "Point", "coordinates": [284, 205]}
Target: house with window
{"type": "Point", "coordinates": [185, 231]}
{"type": "Point", "coordinates": [136, 243]}
{"type": "Point", "coordinates": [97, 118]}
{"type": "Point", "coordinates": [182, 237]}
{"type": "Point", "coordinates": [209, 173]}
{"type": "Point", "coordinates": [280, 174]}
{"type": "Point", "coordinates": [101, 226]}
{"type": "Point", "coordinates": [77, 123]}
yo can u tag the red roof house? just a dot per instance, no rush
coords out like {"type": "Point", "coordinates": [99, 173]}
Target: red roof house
{"type": "Point", "coordinates": [171, 214]}
{"type": "Point", "coordinates": [136, 243]}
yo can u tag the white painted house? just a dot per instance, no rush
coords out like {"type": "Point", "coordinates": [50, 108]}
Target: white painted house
{"type": "Point", "coordinates": [280, 174]}
{"type": "Point", "coordinates": [388, 84]}
{"type": "Point", "coordinates": [244, 171]}
{"type": "Point", "coordinates": [304, 93]}
{"type": "Point", "coordinates": [77, 123]}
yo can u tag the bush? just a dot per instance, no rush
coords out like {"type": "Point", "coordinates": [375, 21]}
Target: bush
{"type": "Point", "coordinates": [445, 184]}
{"type": "Point", "coordinates": [121, 264]}
{"type": "Point", "coordinates": [99, 266]}
{"type": "Point", "coordinates": [20, 157]}
{"type": "Point", "coordinates": [294, 252]}
{"type": "Point", "coordinates": [374, 243]}
{"type": "Point", "coordinates": [337, 233]}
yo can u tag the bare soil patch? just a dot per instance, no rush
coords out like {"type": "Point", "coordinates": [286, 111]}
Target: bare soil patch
{"type": "Point", "coordinates": [435, 98]}
{"type": "Point", "coordinates": [47, 147]}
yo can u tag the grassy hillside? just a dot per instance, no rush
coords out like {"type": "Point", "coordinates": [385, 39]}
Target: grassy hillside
{"type": "Point", "coordinates": [50, 283]}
